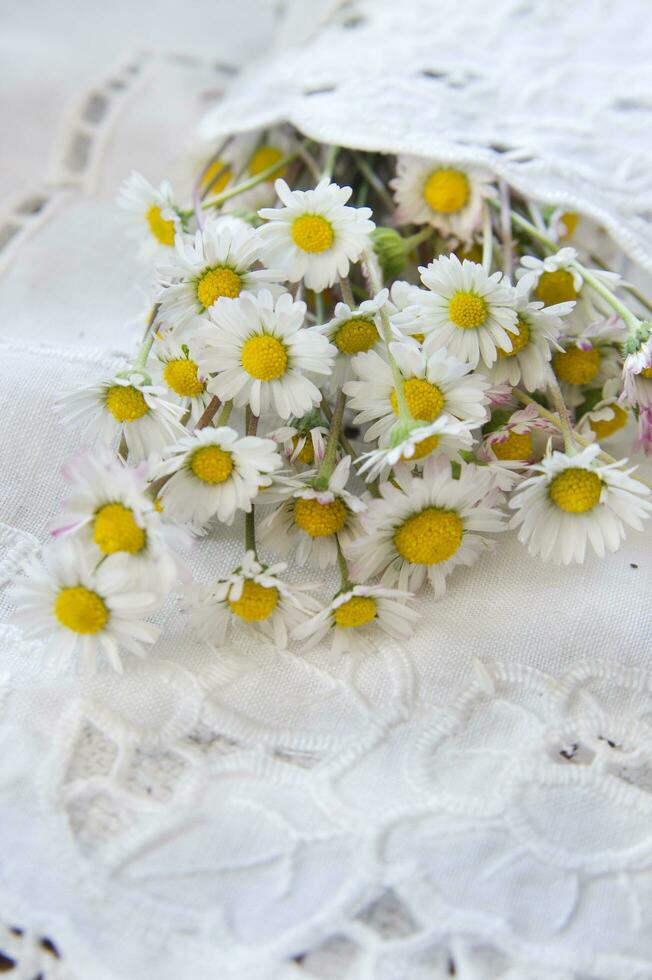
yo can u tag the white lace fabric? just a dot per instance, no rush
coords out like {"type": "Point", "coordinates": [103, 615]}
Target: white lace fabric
{"type": "Point", "coordinates": [554, 97]}
{"type": "Point", "coordinates": [474, 804]}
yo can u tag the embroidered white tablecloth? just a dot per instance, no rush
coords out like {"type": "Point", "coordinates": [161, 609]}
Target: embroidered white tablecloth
{"type": "Point", "coordinates": [475, 804]}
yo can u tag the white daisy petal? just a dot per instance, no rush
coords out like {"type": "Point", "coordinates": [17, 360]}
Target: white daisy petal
{"type": "Point", "coordinates": [82, 614]}
{"type": "Point", "coordinates": [573, 500]}
{"type": "Point", "coordinates": [260, 353]}
{"type": "Point", "coordinates": [315, 235]}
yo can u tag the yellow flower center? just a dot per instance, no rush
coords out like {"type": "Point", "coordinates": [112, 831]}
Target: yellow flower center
{"type": "Point", "coordinates": [210, 464]}
{"type": "Point", "coordinates": [256, 603]}
{"type": "Point", "coordinates": [575, 490]}
{"type": "Point", "coordinates": [80, 610]}
{"type": "Point", "coordinates": [264, 357]}
{"type": "Point", "coordinates": [181, 377]}
{"type": "Point", "coordinates": [577, 366]}
{"type": "Point", "coordinates": [519, 340]}
{"type": "Point", "coordinates": [355, 336]}
{"type": "Point", "coordinates": [265, 157]}
{"type": "Point", "coordinates": [161, 228]}
{"type": "Point", "coordinates": [424, 448]}
{"type": "Point", "coordinates": [467, 310]}
{"type": "Point", "coordinates": [312, 233]}
{"type": "Point", "coordinates": [555, 287]}
{"type": "Point", "coordinates": [430, 537]}
{"type": "Point", "coordinates": [447, 190]}
{"type": "Point", "coordinates": [220, 281]}
{"type": "Point", "coordinates": [115, 529]}
{"type": "Point", "coordinates": [306, 454]}
{"type": "Point", "coordinates": [569, 219]}
{"type": "Point", "coordinates": [216, 185]}
{"type": "Point", "coordinates": [424, 399]}
{"type": "Point", "coordinates": [126, 404]}
{"type": "Point", "coordinates": [606, 427]}
{"type": "Point", "coordinates": [357, 611]}
{"type": "Point", "coordinates": [419, 337]}
{"type": "Point", "coordinates": [319, 520]}
{"type": "Point", "coordinates": [517, 445]}
{"type": "Point", "coordinates": [646, 372]}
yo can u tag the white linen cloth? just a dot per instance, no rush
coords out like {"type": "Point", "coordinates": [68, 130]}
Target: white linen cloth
{"type": "Point", "coordinates": [477, 803]}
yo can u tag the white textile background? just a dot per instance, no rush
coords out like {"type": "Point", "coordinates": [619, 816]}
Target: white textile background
{"type": "Point", "coordinates": [475, 804]}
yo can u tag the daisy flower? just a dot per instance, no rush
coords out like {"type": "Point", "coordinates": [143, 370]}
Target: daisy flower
{"type": "Point", "coordinates": [353, 331]}
{"type": "Point", "coordinates": [638, 350]}
{"type": "Point", "coordinates": [81, 609]}
{"type": "Point", "coordinates": [425, 526]}
{"type": "Point", "coordinates": [217, 264]}
{"type": "Point", "coordinates": [110, 511]}
{"type": "Point", "coordinates": [249, 158]}
{"type": "Point", "coordinates": [309, 521]}
{"type": "Point", "coordinates": [575, 500]}
{"type": "Point", "coordinates": [356, 617]}
{"type": "Point", "coordinates": [467, 311]}
{"type": "Point", "coordinates": [215, 472]}
{"type": "Point", "coordinates": [447, 197]}
{"type": "Point", "coordinates": [253, 597]}
{"type": "Point", "coordinates": [261, 354]}
{"type": "Point", "coordinates": [154, 220]}
{"type": "Point", "coordinates": [125, 406]}
{"type": "Point", "coordinates": [535, 332]}
{"type": "Point", "coordinates": [174, 368]}
{"type": "Point", "coordinates": [606, 415]}
{"type": "Point", "coordinates": [444, 435]}
{"type": "Point", "coordinates": [315, 236]}
{"type": "Point", "coordinates": [555, 279]}
{"type": "Point", "coordinates": [590, 359]}
{"type": "Point", "coordinates": [434, 385]}
{"type": "Point", "coordinates": [301, 444]}
{"type": "Point", "coordinates": [637, 369]}
{"type": "Point", "coordinates": [638, 392]}
{"type": "Point", "coordinates": [512, 441]}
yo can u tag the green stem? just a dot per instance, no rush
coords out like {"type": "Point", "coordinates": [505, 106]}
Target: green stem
{"type": "Point", "coordinates": [225, 413]}
{"type": "Point", "coordinates": [626, 315]}
{"type": "Point", "coordinates": [376, 283]}
{"type": "Point", "coordinates": [412, 241]}
{"type": "Point", "coordinates": [250, 531]}
{"type": "Point", "coordinates": [328, 463]}
{"type": "Point", "coordinates": [487, 239]}
{"type": "Point", "coordinates": [344, 442]}
{"type": "Point", "coordinates": [319, 307]}
{"type": "Point", "coordinates": [374, 181]}
{"type": "Point", "coordinates": [632, 322]}
{"type": "Point", "coordinates": [345, 581]}
{"type": "Point", "coordinates": [143, 353]}
{"type": "Point", "coordinates": [246, 185]}
{"type": "Point", "coordinates": [251, 423]}
{"type": "Point", "coordinates": [347, 447]}
{"type": "Point", "coordinates": [329, 165]}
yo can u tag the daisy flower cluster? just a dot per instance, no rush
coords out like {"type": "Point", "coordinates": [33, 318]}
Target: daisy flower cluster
{"type": "Point", "coordinates": [370, 369]}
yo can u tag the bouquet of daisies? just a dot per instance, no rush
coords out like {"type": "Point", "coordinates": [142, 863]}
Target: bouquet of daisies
{"type": "Point", "coordinates": [374, 363]}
